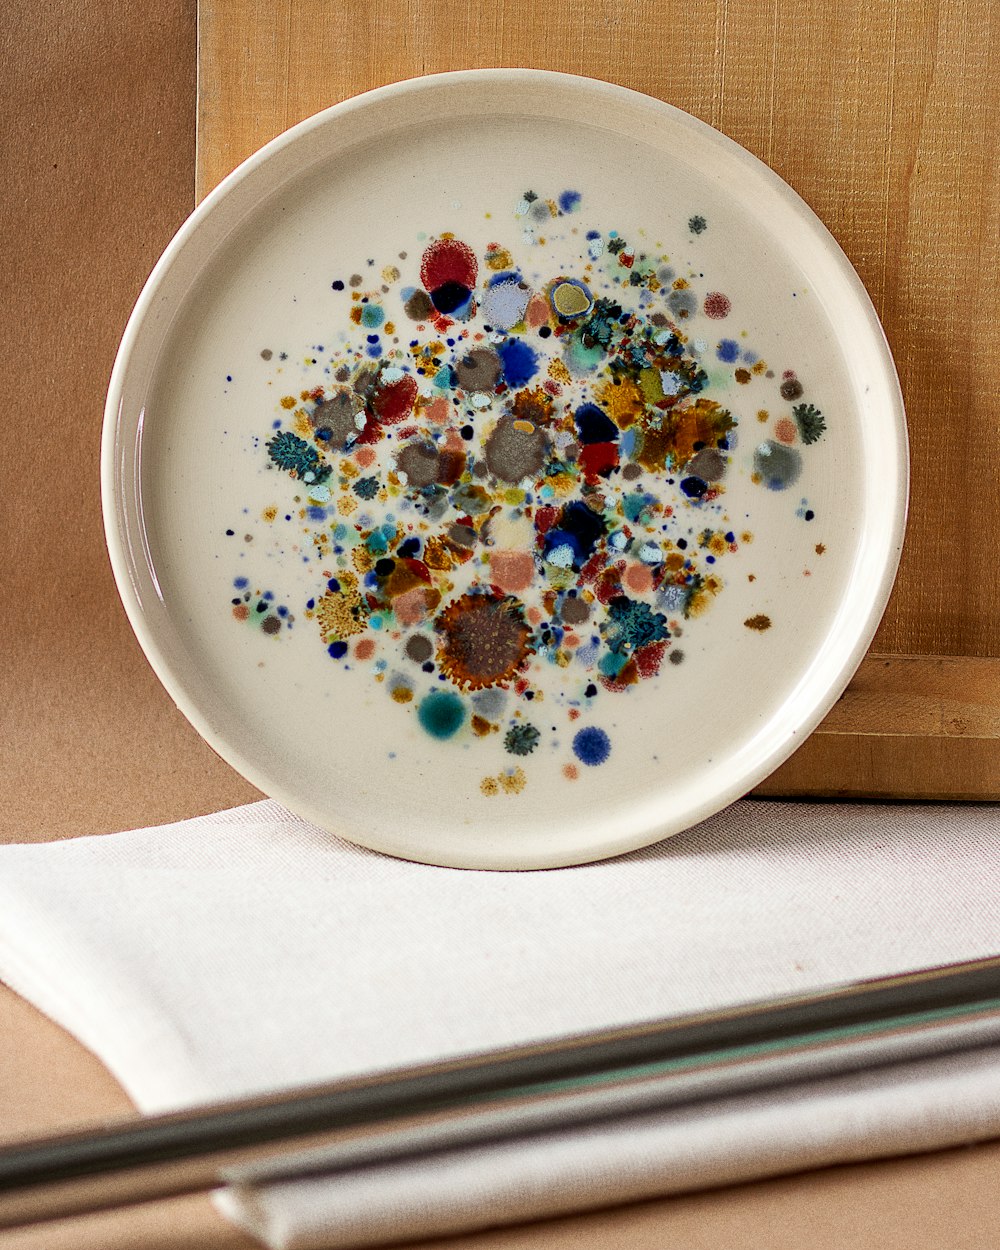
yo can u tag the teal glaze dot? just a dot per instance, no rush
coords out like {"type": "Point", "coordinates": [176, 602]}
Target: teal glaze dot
{"type": "Point", "coordinates": [442, 714]}
{"type": "Point", "coordinates": [372, 316]}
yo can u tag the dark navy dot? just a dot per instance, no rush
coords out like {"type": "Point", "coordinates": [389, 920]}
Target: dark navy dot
{"type": "Point", "coordinates": [682, 543]}
{"type": "Point", "coordinates": [384, 566]}
{"type": "Point", "coordinates": [450, 296]}
{"type": "Point", "coordinates": [694, 487]}
{"type": "Point", "coordinates": [468, 432]}
{"type": "Point", "coordinates": [544, 332]}
{"type": "Point", "coordinates": [230, 533]}
{"type": "Point", "coordinates": [333, 584]}
{"type": "Point", "coordinates": [338, 285]}
{"type": "Point", "coordinates": [590, 691]}
{"type": "Point", "coordinates": [810, 514]}
{"type": "Point", "coordinates": [337, 649]}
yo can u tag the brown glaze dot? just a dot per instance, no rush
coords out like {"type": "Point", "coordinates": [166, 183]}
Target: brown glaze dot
{"type": "Point", "coordinates": [479, 370]}
{"type": "Point", "coordinates": [419, 648]}
{"type": "Point", "coordinates": [420, 463]}
{"type": "Point", "coordinates": [575, 611]}
{"type": "Point", "coordinates": [513, 453]}
{"type": "Point", "coordinates": [419, 307]}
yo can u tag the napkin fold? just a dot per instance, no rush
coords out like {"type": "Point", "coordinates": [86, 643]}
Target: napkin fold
{"type": "Point", "coordinates": [249, 951]}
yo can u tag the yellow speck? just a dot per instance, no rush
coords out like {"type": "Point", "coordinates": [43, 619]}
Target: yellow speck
{"type": "Point", "coordinates": [489, 786]}
{"type": "Point", "coordinates": [402, 694]}
{"type": "Point", "coordinates": [288, 401]}
{"type": "Point", "coordinates": [270, 513]}
{"type": "Point", "coordinates": [762, 415]}
{"type": "Point", "coordinates": [346, 504]}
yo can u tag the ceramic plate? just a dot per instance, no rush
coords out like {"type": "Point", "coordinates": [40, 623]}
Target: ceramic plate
{"type": "Point", "coordinates": [504, 469]}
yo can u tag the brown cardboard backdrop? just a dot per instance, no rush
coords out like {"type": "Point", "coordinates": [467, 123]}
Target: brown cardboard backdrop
{"type": "Point", "coordinates": [97, 160]}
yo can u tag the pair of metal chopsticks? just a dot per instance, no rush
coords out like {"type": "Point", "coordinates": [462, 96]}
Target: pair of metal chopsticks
{"type": "Point", "coordinates": [531, 1090]}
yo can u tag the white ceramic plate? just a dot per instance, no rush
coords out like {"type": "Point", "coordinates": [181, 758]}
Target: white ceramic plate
{"type": "Point", "coordinates": [504, 469]}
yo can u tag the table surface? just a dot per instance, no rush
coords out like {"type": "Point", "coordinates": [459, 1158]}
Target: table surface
{"type": "Point", "coordinates": [98, 137]}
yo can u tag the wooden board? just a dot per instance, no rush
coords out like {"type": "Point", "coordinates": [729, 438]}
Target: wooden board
{"type": "Point", "coordinates": [882, 116]}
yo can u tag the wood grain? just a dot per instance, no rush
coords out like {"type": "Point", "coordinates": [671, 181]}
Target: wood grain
{"type": "Point", "coordinates": [882, 116]}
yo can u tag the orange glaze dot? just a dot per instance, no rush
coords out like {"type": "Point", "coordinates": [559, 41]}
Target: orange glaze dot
{"type": "Point", "coordinates": [365, 649]}
{"type": "Point", "coordinates": [534, 616]}
{"type": "Point", "coordinates": [785, 430]}
{"type": "Point", "coordinates": [574, 713]}
{"type": "Point", "coordinates": [570, 640]}
{"type": "Point", "coordinates": [570, 772]}
{"type": "Point", "coordinates": [241, 611]}
{"type": "Point", "coordinates": [364, 456]}
{"type": "Point", "coordinates": [639, 577]}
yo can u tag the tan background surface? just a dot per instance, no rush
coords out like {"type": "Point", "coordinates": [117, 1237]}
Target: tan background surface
{"type": "Point", "coordinates": [97, 159]}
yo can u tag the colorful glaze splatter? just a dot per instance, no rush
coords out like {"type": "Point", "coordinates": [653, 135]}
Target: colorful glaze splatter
{"type": "Point", "coordinates": [512, 467]}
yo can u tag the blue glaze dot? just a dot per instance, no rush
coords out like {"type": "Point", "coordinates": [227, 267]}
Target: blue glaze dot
{"type": "Point", "coordinates": [591, 746]}
{"type": "Point", "coordinates": [519, 362]}
{"type": "Point", "coordinates": [569, 201]}
{"type": "Point", "coordinates": [728, 351]}
{"type": "Point", "coordinates": [337, 649]}
{"type": "Point", "coordinates": [241, 583]}
{"type": "Point", "coordinates": [441, 713]}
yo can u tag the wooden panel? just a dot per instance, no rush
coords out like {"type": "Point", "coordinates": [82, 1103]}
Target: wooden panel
{"type": "Point", "coordinates": [882, 116]}
{"type": "Point", "coordinates": [921, 727]}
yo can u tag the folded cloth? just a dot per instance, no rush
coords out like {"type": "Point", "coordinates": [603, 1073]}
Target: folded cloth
{"type": "Point", "coordinates": [249, 951]}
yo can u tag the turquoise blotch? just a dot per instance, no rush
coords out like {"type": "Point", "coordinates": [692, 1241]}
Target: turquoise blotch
{"type": "Point", "coordinates": [442, 714]}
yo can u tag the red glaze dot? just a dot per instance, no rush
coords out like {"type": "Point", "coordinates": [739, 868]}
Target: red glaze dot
{"type": "Point", "coordinates": [448, 260]}
{"type": "Point", "coordinates": [717, 305]}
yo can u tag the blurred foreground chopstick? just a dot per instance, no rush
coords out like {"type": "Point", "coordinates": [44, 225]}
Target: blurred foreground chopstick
{"type": "Point", "coordinates": [542, 1088]}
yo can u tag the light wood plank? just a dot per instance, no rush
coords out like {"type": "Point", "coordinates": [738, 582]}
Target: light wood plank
{"type": "Point", "coordinates": [883, 118]}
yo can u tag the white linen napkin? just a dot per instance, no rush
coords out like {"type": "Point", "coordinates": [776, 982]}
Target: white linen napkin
{"type": "Point", "coordinates": [249, 951]}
